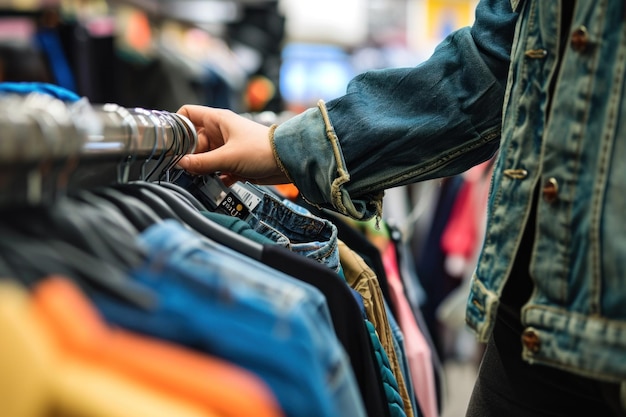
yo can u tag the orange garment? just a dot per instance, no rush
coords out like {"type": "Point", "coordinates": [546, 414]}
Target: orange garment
{"type": "Point", "coordinates": [37, 379]}
{"type": "Point", "coordinates": [289, 191]}
{"type": "Point", "coordinates": [210, 383]}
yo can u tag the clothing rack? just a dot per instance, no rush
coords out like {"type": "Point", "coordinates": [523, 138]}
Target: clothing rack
{"type": "Point", "coordinates": [48, 137]}
{"type": "Point", "coordinates": [38, 126]}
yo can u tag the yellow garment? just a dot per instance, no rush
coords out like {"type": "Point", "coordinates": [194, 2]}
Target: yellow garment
{"type": "Point", "coordinates": [26, 361]}
{"type": "Point", "coordinates": [37, 380]}
{"type": "Point", "coordinates": [363, 279]}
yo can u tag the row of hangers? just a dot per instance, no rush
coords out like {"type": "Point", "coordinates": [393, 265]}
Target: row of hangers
{"type": "Point", "coordinates": [89, 233]}
{"type": "Point", "coordinates": [42, 138]}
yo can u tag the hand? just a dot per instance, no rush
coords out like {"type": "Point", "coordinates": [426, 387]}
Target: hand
{"type": "Point", "coordinates": [237, 147]}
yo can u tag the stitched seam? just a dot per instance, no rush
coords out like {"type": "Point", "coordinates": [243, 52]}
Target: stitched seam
{"type": "Point", "coordinates": [343, 176]}
{"type": "Point", "coordinates": [605, 155]}
{"type": "Point", "coordinates": [440, 162]}
{"type": "Point", "coordinates": [280, 164]}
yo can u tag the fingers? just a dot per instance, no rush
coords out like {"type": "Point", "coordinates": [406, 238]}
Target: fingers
{"type": "Point", "coordinates": [231, 144]}
{"type": "Point", "coordinates": [198, 114]}
{"type": "Point", "coordinates": [208, 123]}
{"type": "Point", "coordinates": [204, 163]}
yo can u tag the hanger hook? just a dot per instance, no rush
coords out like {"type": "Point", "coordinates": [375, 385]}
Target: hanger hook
{"type": "Point", "coordinates": [190, 140]}
{"type": "Point", "coordinates": [178, 138]}
{"type": "Point", "coordinates": [164, 151]}
{"type": "Point", "coordinates": [123, 168]}
{"type": "Point", "coordinates": [158, 133]}
{"type": "Point", "coordinates": [73, 138]}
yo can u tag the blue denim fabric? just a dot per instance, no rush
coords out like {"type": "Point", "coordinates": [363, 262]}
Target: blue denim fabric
{"type": "Point", "coordinates": [400, 125]}
{"type": "Point", "coordinates": [308, 235]}
{"type": "Point", "coordinates": [398, 344]}
{"type": "Point", "coordinates": [555, 111]}
{"type": "Point", "coordinates": [225, 304]}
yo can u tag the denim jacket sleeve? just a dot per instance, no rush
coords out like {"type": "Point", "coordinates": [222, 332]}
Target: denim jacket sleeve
{"type": "Point", "coordinates": [396, 126]}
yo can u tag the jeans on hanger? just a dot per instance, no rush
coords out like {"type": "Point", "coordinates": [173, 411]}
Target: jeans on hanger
{"type": "Point", "coordinates": [303, 232]}
{"type": "Point", "coordinates": [223, 303]}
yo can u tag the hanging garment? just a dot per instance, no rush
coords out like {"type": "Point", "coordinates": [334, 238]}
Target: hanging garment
{"type": "Point", "coordinates": [208, 383]}
{"type": "Point", "coordinates": [398, 345]}
{"type": "Point", "coordinates": [283, 222]}
{"type": "Point", "coordinates": [219, 301]}
{"type": "Point", "coordinates": [39, 379]}
{"type": "Point", "coordinates": [430, 260]}
{"type": "Point", "coordinates": [50, 43]}
{"type": "Point", "coordinates": [306, 234]}
{"type": "Point", "coordinates": [361, 278]}
{"type": "Point", "coordinates": [345, 315]}
{"type": "Point", "coordinates": [463, 236]}
{"type": "Point", "coordinates": [418, 350]}
{"type": "Point", "coordinates": [390, 384]}
{"type": "Point", "coordinates": [410, 282]}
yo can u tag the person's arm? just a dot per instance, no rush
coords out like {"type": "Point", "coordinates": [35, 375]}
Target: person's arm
{"type": "Point", "coordinates": [397, 126]}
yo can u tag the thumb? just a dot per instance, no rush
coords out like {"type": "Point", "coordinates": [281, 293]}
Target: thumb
{"type": "Point", "coordinates": [203, 163]}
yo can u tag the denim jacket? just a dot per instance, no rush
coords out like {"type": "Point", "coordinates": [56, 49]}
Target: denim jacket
{"type": "Point", "coordinates": [556, 118]}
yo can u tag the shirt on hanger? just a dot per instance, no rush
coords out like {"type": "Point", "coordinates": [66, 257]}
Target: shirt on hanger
{"type": "Point", "coordinates": [361, 278]}
{"type": "Point", "coordinates": [221, 302]}
{"type": "Point", "coordinates": [210, 383]}
{"type": "Point", "coordinates": [418, 350]}
{"type": "Point", "coordinates": [39, 378]}
{"type": "Point", "coordinates": [346, 318]}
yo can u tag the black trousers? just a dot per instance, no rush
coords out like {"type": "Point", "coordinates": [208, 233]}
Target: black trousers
{"type": "Point", "coordinates": [507, 386]}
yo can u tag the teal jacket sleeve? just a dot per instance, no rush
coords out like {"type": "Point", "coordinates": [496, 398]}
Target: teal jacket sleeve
{"type": "Point", "coordinates": [397, 126]}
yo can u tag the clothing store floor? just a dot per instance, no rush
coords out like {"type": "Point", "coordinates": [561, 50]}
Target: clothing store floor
{"type": "Point", "coordinates": [460, 377]}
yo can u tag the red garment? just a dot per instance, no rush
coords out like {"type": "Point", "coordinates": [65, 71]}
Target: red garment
{"type": "Point", "coordinates": [463, 235]}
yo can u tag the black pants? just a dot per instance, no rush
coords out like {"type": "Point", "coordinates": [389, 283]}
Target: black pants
{"type": "Point", "coordinates": [507, 386]}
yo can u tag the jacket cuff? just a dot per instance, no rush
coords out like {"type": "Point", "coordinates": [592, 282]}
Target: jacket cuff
{"type": "Point", "coordinates": [308, 151]}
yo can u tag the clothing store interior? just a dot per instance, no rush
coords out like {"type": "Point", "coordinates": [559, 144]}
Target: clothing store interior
{"type": "Point", "coordinates": [132, 288]}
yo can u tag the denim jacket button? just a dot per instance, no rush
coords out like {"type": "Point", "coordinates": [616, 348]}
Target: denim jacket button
{"type": "Point", "coordinates": [530, 340]}
{"type": "Point", "coordinates": [579, 39]}
{"type": "Point", "coordinates": [550, 190]}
